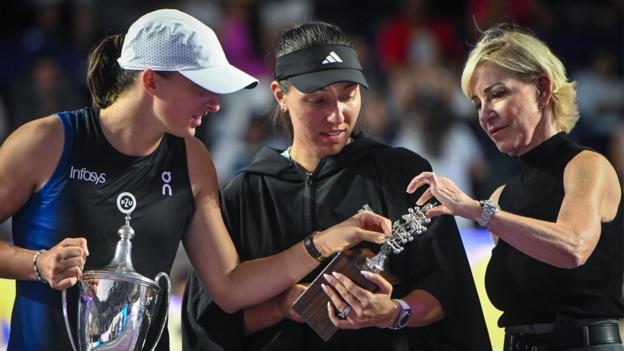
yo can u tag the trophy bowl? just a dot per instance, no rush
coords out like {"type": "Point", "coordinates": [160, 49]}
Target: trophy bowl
{"type": "Point", "coordinates": [115, 310]}
{"type": "Point", "coordinates": [115, 303]}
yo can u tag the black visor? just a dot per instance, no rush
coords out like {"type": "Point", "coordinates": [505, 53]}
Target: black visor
{"type": "Point", "coordinates": [311, 69]}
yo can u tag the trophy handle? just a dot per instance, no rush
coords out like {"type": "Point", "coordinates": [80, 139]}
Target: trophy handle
{"type": "Point", "coordinates": [65, 316]}
{"type": "Point", "coordinates": [166, 305]}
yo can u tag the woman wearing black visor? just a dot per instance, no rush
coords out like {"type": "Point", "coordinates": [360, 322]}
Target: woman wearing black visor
{"type": "Point", "coordinates": [327, 174]}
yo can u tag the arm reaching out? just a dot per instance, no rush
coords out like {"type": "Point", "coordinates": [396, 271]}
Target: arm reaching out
{"type": "Point", "coordinates": [592, 194]}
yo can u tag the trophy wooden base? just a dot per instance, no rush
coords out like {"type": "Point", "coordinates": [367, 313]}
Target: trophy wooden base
{"type": "Point", "coordinates": [312, 304]}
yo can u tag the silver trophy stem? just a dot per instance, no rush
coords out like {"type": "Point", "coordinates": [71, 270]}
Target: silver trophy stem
{"type": "Point", "coordinates": [122, 261]}
{"type": "Point", "coordinates": [376, 263]}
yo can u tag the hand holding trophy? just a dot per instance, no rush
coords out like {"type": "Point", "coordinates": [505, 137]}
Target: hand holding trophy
{"type": "Point", "coordinates": [311, 305]}
{"type": "Point", "coordinates": [116, 303]}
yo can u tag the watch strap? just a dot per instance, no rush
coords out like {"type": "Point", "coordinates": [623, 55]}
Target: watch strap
{"type": "Point", "coordinates": [489, 208]}
{"type": "Point", "coordinates": [308, 243]}
{"type": "Point", "coordinates": [405, 312]}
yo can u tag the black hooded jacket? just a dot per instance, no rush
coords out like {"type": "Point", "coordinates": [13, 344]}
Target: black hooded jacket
{"type": "Point", "coordinates": [273, 204]}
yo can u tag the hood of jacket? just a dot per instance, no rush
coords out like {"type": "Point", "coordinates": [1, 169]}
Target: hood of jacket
{"type": "Point", "coordinates": [270, 162]}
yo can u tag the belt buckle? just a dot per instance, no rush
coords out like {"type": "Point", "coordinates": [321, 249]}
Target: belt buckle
{"type": "Point", "coordinates": [588, 335]}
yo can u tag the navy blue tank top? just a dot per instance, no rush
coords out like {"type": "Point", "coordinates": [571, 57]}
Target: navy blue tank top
{"type": "Point", "coordinates": [79, 200]}
{"type": "Point", "coordinates": [530, 291]}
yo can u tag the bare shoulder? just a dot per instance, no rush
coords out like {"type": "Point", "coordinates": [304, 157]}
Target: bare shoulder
{"type": "Point", "coordinates": [201, 169]}
{"type": "Point", "coordinates": [496, 194]}
{"type": "Point", "coordinates": [28, 158]}
{"type": "Point", "coordinates": [40, 141]}
{"type": "Point", "coordinates": [591, 176]}
{"type": "Point", "coordinates": [589, 165]}
{"type": "Point", "coordinates": [199, 160]}
{"type": "Point", "coordinates": [41, 131]}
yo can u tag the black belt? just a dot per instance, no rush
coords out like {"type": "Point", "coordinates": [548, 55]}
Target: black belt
{"type": "Point", "coordinates": [564, 338]}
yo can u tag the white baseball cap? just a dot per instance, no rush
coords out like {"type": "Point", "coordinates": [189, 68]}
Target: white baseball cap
{"type": "Point", "coordinates": [171, 40]}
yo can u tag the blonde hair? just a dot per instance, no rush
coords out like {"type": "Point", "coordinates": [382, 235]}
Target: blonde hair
{"type": "Point", "coordinates": [527, 58]}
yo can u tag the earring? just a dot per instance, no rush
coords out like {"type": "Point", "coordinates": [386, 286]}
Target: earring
{"type": "Point", "coordinates": [283, 108]}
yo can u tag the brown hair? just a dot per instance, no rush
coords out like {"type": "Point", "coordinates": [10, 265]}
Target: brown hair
{"type": "Point", "coordinates": [105, 79]}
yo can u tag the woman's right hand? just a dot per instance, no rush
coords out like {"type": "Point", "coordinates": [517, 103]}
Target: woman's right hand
{"type": "Point", "coordinates": [453, 201]}
{"type": "Point", "coordinates": [62, 265]}
{"type": "Point", "coordinates": [364, 226]}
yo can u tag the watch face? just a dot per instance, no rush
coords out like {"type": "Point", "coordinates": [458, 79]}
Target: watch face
{"type": "Point", "coordinates": [404, 319]}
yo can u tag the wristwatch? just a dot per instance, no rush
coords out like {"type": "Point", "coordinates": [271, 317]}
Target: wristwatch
{"type": "Point", "coordinates": [489, 209]}
{"type": "Point", "coordinates": [308, 243]}
{"type": "Point", "coordinates": [405, 312]}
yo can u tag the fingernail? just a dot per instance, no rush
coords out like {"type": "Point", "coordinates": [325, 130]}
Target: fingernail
{"type": "Point", "coordinates": [366, 273]}
{"type": "Point", "coordinates": [327, 276]}
{"type": "Point", "coordinates": [324, 287]}
{"type": "Point", "coordinates": [335, 274]}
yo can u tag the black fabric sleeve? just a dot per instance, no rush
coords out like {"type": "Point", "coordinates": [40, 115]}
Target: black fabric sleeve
{"type": "Point", "coordinates": [205, 326]}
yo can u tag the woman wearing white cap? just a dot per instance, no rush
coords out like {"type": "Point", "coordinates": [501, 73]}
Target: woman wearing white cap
{"type": "Point", "coordinates": [60, 177]}
{"type": "Point", "coordinates": [329, 172]}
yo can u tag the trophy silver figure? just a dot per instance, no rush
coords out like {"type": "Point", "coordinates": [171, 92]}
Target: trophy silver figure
{"type": "Point", "coordinates": [116, 303]}
{"type": "Point", "coordinates": [402, 232]}
{"type": "Point", "coordinates": [311, 305]}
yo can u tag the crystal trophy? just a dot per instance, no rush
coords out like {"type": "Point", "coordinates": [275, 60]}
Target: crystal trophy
{"type": "Point", "coordinates": [311, 305]}
{"type": "Point", "coordinates": [116, 304]}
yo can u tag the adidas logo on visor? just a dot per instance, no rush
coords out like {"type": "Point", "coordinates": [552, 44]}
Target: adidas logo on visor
{"type": "Point", "coordinates": [332, 58]}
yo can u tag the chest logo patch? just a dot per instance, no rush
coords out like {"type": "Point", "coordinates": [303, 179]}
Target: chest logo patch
{"type": "Point", "coordinates": [87, 175]}
{"type": "Point", "coordinates": [166, 187]}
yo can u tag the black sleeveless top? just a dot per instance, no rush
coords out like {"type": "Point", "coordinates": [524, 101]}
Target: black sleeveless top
{"type": "Point", "coordinates": [530, 291]}
{"type": "Point", "coordinates": [80, 200]}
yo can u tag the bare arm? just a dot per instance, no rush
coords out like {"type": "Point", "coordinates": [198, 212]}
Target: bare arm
{"type": "Point", "coordinates": [592, 195]}
{"type": "Point", "coordinates": [271, 312]}
{"type": "Point", "coordinates": [27, 160]}
{"type": "Point", "coordinates": [235, 285]}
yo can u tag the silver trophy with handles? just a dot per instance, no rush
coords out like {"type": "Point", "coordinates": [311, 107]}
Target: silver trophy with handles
{"type": "Point", "coordinates": [116, 304]}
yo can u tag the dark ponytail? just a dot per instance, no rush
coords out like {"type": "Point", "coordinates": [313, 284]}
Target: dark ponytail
{"type": "Point", "coordinates": [105, 79]}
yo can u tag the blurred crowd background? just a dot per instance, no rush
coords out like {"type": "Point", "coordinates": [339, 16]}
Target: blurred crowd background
{"type": "Point", "coordinates": [412, 50]}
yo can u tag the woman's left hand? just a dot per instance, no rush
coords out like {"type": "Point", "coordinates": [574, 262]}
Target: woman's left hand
{"type": "Point", "coordinates": [453, 201]}
{"type": "Point", "coordinates": [367, 309]}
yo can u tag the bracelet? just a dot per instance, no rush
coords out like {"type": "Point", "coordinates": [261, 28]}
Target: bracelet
{"type": "Point", "coordinates": [308, 243]}
{"type": "Point", "coordinates": [36, 269]}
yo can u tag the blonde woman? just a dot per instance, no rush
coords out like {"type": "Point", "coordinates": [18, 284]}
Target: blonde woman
{"type": "Point", "coordinates": [556, 271]}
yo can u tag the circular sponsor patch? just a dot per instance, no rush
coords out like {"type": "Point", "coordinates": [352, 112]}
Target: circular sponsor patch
{"type": "Point", "coordinates": [126, 203]}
